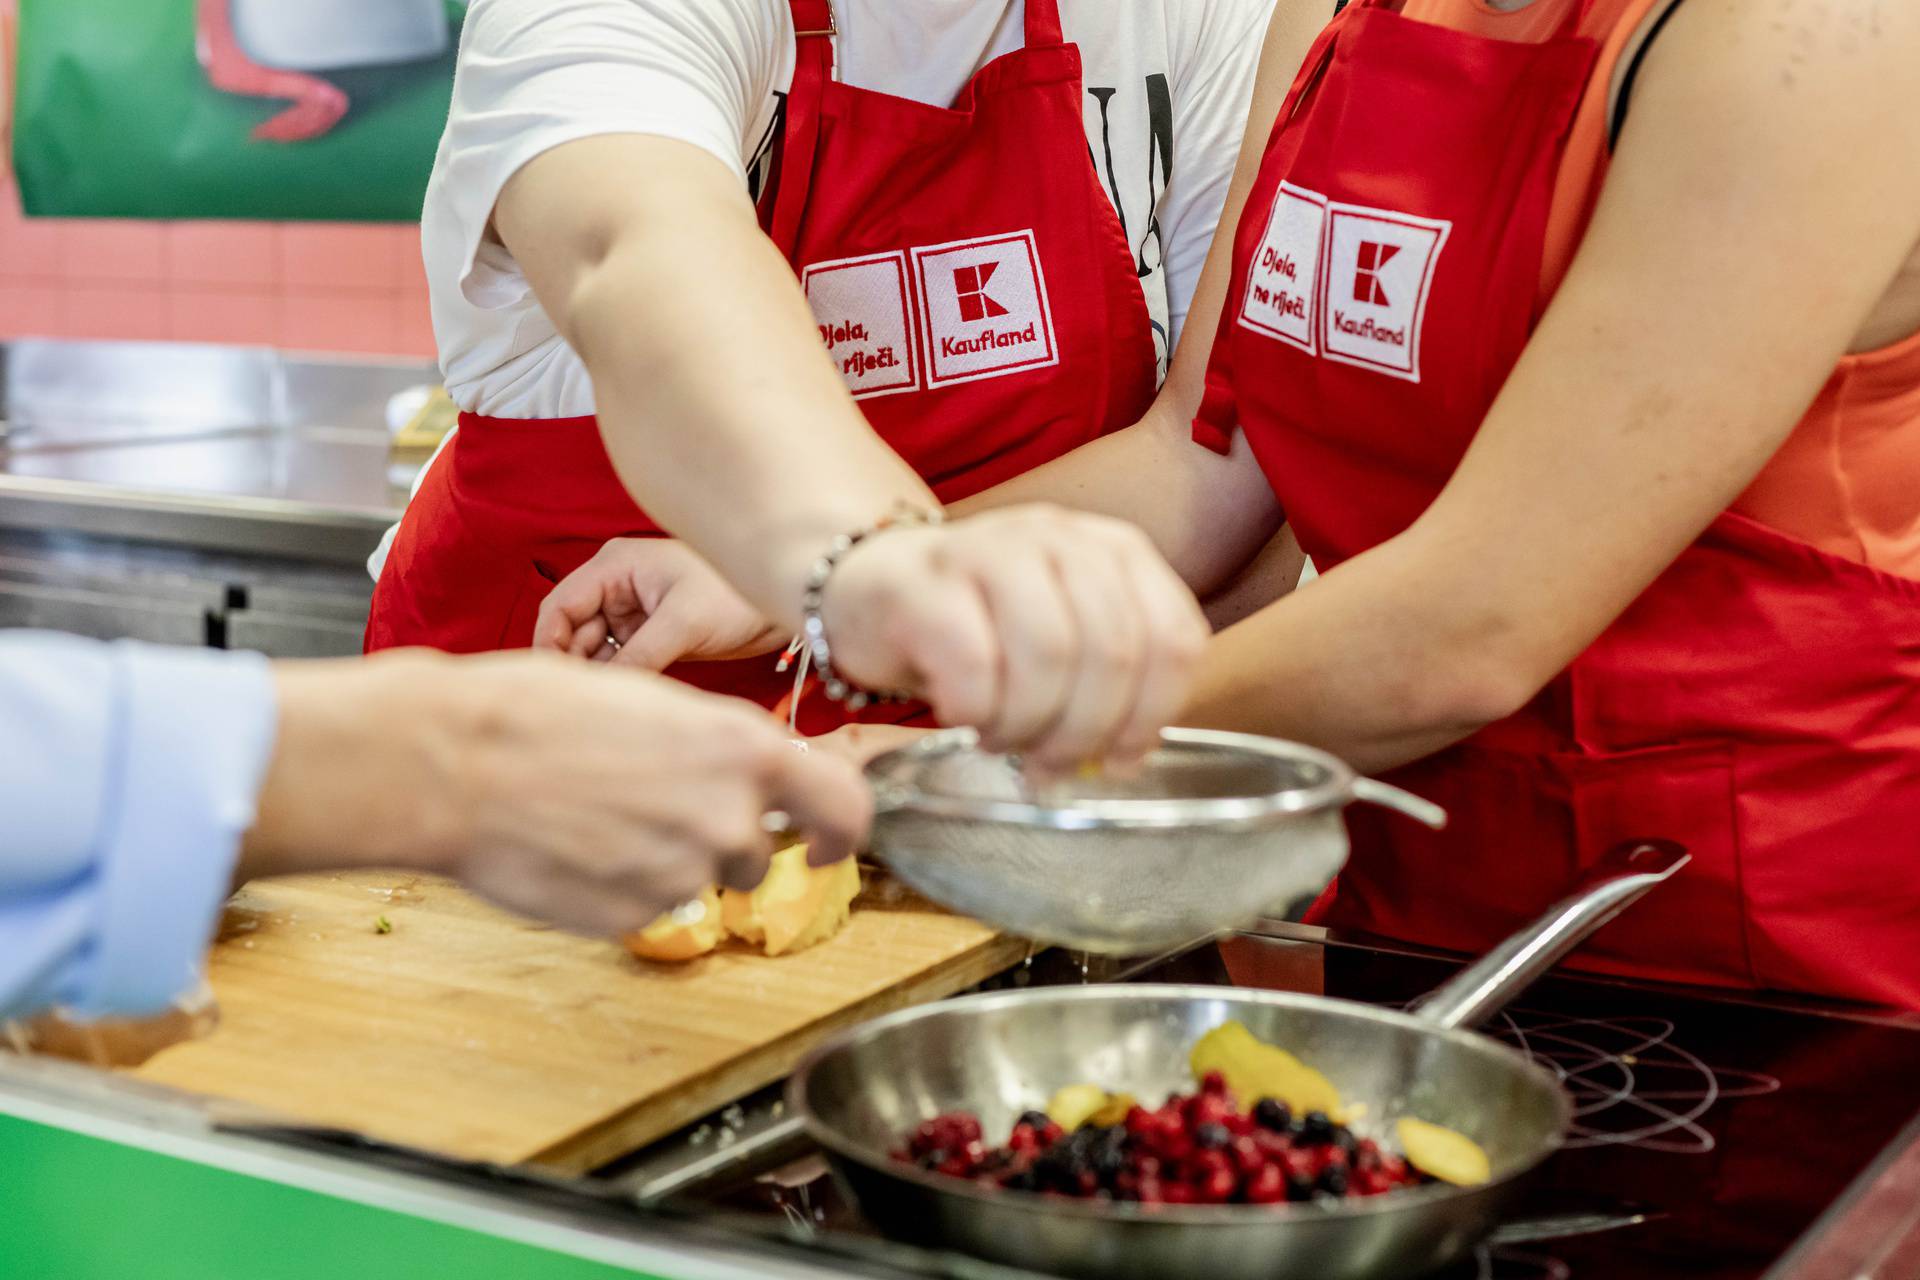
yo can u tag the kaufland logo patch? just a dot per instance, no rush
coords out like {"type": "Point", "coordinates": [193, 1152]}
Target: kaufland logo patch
{"type": "Point", "coordinates": [1344, 281]}
{"type": "Point", "coordinates": [866, 321]}
{"type": "Point", "coordinates": [984, 307]}
{"type": "Point", "coordinates": [1379, 272]}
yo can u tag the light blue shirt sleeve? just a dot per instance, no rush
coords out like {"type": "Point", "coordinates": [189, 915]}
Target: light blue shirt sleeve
{"type": "Point", "coordinates": [128, 774]}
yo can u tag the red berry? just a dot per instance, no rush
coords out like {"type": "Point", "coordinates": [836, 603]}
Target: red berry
{"type": "Point", "coordinates": [1217, 1187]}
{"type": "Point", "coordinates": [1274, 1146]}
{"type": "Point", "coordinates": [1211, 1162]}
{"type": "Point", "coordinates": [1239, 1124]}
{"type": "Point", "coordinates": [1208, 1108]}
{"type": "Point", "coordinates": [1268, 1186]}
{"type": "Point", "coordinates": [1325, 1158]}
{"type": "Point", "coordinates": [1213, 1082]}
{"type": "Point", "coordinates": [1147, 1166]}
{"type": "Point", "coordinates": [1139, 1121]}
{"type": "Point", "coordinates": [1150, 1191]}
{"type": "Point", "coordinates": [1247, 1156]}
{"type": "Point", "coordinates": [1176, 1193]}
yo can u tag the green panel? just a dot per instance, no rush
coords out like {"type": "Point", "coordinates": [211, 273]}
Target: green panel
{"type": "Point", "coordinates": [73, 1207]}
{"type": "Point", "coordinates": [114, 118]}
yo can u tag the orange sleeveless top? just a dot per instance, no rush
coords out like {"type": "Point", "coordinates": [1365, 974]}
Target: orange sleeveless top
{"type": "Point", "coordinates": [1848, 479]}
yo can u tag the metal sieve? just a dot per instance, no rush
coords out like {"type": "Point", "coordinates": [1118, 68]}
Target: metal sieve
{"type": "Point", "coordinates": [1213, 830]}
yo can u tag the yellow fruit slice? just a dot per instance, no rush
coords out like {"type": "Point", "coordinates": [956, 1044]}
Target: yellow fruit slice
{"type": "Point", "coordinates": [795, 906]}
{"type": "Point", "coordinates": [1442, 1153]}
{"type": "Point", "coordinates": [666, 939]}
{"type": "Point", "coordinates": [1256, 1070]}
{"type": "Point", "coordinates": [1075, 1104]}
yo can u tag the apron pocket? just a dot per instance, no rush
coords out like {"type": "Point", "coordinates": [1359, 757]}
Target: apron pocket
{"type": "Point", "coordinates": [1692, 928]}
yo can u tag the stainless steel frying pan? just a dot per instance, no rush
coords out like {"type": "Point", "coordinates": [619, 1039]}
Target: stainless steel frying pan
{"type": "Point", "coordinates": [999, 1055]}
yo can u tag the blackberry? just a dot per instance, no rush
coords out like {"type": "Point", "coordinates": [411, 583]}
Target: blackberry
{"type": "Point", "coordinates": [1316, 1130]}
{"type": "Point", "coordinates": [1299, 1188]}
{"type": "Point", "coordinates": [1332, 1181]}
{"type": "Point", "coordinates": [1035, 1120]}
{"type": "Point", "coordinates": [1271, 1113]}
{"type": "Point", "coordinates": [1212, 1137]}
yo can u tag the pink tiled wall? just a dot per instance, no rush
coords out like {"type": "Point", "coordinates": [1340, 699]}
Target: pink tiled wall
{"type": "Point", "coordinates": [307, 286]}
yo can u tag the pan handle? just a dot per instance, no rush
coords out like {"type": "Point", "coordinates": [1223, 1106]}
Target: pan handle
{"type": "Point", "coordinates": [1618, 880]}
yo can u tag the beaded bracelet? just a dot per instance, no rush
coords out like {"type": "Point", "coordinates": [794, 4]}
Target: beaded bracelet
{"type": "Point", "coordinates": [813, 596]}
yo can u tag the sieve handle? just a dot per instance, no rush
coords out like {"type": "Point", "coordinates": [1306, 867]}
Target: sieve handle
{"type": "Point", "coordinates": [1373, 791]}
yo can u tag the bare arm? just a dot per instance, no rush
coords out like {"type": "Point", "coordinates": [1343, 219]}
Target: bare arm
{"type": "Point", "coordinates": [719, 406]}
{"type": "Point", "coordinates": [1208, 514]}
{"type": "Point", "coordinates": [1737, 248]}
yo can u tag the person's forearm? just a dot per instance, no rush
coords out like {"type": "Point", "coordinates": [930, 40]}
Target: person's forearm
{"type": "Point", "coordinates": [363, 769]}
{"type": "Point", "coordinates": [1207, 514]}
{"type": "Point", "coordinates": [720, 408]}
{"type": "Point", "coordinates": [1272, 573]}
{"type": "Point", "coordinates": [1381, 662]}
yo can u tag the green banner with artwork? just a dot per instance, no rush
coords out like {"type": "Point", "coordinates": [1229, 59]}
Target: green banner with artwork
{"type": "Point", "coordinates": [282, 109]}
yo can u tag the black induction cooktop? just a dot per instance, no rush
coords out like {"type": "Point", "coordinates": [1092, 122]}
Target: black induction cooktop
{"type": "Point", "coordinates": [1708, 1136]}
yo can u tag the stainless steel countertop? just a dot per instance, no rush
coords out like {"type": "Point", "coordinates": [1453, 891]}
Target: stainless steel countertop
{"type": "Point", "coordinates": [227, 448]}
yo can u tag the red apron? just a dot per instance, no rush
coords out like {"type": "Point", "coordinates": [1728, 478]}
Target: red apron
{"type": "Point", "coordinates": [1759, 703]}
{"type": "Point", "coordinates": [970, 278]}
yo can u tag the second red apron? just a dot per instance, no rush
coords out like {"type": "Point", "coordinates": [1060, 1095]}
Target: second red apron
{"type": "Point", "coordinates": [1757, 703]}
{"type": "Point", "coordinates": [970, 279]}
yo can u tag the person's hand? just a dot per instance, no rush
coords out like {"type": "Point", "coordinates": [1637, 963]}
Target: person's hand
{"type": "Point", "coordinates": [592, 798]}
{"type": "Point", "coordinates": [659, 603]}
{"type": "Point", "coordinates": [1057, 634]}
{"type": "Point", "coordinates": [858, 743]}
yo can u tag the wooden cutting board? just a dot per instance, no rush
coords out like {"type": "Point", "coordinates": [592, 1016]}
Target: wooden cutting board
{"type": "Point", "coordinates": [479, 1035]}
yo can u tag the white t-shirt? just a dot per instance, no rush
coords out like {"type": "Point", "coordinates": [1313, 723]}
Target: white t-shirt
{"type": "Point", "coordinates": [1167, 86]}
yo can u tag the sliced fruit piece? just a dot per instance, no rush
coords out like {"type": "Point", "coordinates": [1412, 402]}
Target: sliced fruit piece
{"type": "Point", "coordinates": [1256, 1070]}
{"type": "Point", "coordinates": [740, 916]}
{"type": "Point", "coordinates": [669, 938]}
{"type": "Point", "coordinates": [1113, 1110]}
{"type": "Point", "coordinates": [1443, 1153]}
{"type": "Point", "coordinates": [1075, 1104]}
{"type": "Point", "coordinates": [795, 906]}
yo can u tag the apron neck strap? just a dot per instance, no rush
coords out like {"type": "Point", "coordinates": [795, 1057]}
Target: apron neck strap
{"type": "Point", "coordinates": [1043, 24]}
{"type": "Point", "coordinates": [814, 31]}
{"type": "Point", "coordinates": [1570, 21]}
{"type": "Point", "coordinates": [814, 24]}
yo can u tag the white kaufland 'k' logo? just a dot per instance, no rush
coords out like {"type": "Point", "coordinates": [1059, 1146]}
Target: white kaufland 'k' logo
{"type": "Point", "coordinates": [866, 321]}
{"type": "Point", "coordinates": [1344, 281]}
{"type": "Point", "coordinates": [985, 307]}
